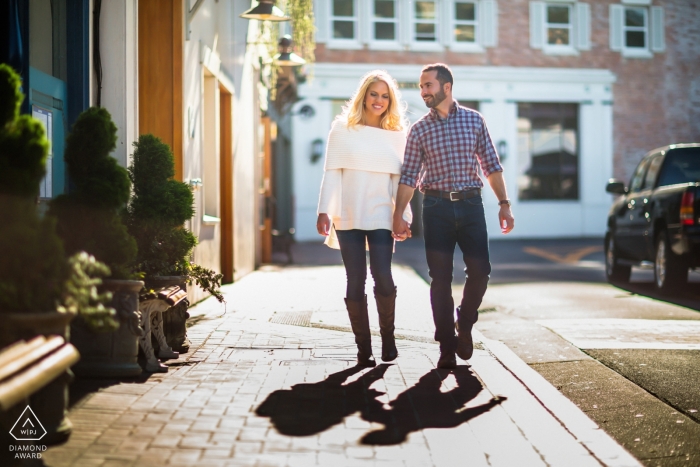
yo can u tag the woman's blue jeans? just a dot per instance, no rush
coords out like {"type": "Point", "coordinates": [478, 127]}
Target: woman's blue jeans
{"type": "Point", "coordinates": [446, 224]}
{"type": "Point", "coordinates": [352, 249]}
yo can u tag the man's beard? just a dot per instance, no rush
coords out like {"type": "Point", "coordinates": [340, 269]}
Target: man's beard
{"type": "Point", "coordinates": [436, 99]}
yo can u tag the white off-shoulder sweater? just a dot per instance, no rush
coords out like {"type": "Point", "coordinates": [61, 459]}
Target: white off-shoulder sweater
{"type": "Point", "coordinates": [362, 171]}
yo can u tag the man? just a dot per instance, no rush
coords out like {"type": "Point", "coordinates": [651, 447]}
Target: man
{"type": "Point", "coordinates": [443, 148]}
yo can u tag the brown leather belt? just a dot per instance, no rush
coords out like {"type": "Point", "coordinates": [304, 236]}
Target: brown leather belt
{"type": "Point", "coordinates": [454, 195]}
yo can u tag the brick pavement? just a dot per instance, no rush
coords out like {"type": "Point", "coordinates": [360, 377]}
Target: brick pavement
{"type": "Point", "coordinates": [257, 393]}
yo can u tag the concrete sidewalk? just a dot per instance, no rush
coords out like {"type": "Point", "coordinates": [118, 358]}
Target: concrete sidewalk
{"type": "Point", "coordinates": [271, 381]}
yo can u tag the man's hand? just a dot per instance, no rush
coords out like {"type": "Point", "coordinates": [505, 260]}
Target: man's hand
{"type": "Point", "coordinates": [401, 229]}
{"type": "Point", "coordinates": [506, 219]}
{"type": "Point", "coordinates": [323, 224]}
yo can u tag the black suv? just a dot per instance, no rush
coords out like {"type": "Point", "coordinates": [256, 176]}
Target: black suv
{"type": "Point", "coordinates": [657, 218]}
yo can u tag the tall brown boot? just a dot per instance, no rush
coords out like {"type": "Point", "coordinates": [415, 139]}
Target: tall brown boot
{"type": "Point", "coordinates": [386, 305]}
{"type": "Point", "coordinates": [359, 321]}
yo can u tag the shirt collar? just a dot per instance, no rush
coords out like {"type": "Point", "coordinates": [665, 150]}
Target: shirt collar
{"type": "Point", "coordinates": [451, 113]}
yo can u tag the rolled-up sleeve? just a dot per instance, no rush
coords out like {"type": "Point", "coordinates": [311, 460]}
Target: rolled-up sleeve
{"type": "Point", "coordinates": [412, 160]}
{"type": "Point", "coordinates": [486, 152]}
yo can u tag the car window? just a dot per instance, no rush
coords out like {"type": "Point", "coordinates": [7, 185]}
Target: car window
{"type": "Point", "coordinates": [681, 166]}
{"type": "Point", "coordinates": [638, 177]}
{"type": "Point", "coordinates": [653, 171]}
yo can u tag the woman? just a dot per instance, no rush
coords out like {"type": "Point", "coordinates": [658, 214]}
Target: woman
{"type": "Point", "coordinates": [362, 170]}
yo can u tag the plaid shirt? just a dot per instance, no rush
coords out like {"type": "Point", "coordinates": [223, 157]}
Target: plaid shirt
{"type": "Point", "coordinates": [442, 154]}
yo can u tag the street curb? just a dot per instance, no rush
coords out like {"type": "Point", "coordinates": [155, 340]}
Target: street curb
{"type": "Point", "coordinates": [604, 448]}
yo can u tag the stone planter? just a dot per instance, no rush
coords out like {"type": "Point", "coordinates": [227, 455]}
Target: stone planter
{"type": "Point", "coordinates": [50, 403]}
{"type": "Point", "coordinates": [111, 354]}
{"type": "Point", "coordinates": [175, 318]}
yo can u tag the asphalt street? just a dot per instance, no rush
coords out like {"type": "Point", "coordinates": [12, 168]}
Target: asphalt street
{"type": "Point", "coordinates": [628, 357]}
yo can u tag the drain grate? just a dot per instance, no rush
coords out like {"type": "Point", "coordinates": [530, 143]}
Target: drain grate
{"type": "Point", "coordinates": [293, 318]}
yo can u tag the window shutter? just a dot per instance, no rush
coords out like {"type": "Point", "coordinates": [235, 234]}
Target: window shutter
{"type": "Point", "coordinates": [583, 26]}
{"type": "Point", "coordinates": [617, 13]}
{"type": "Point", "coordinates": [658, 42]}
{"type": "Point", "coordinates": [322, 18]}
{"type": "Point", "coordinates": [537, 10]}
{"type": "Point", "coordinates": [405, 31]}
{"type": "Point", "coordinates": [445, 18]}
{"type": "Point", "coordinates": [488, 23]}
{"type": "Point", "coordinates": [364, 20]}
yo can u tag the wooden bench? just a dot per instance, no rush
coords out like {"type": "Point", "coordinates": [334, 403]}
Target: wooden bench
{"type": "Point", "coordinates": [28, 366]}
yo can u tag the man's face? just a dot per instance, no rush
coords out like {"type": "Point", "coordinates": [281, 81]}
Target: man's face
{"type": "Point", "coordinates": [430, 89]}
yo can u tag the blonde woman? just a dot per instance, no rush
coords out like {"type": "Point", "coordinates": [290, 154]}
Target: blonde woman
{"type": "Point", "coordinates": [356, 205]}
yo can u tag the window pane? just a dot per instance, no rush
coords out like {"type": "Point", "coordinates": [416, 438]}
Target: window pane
{"type": "Point", "coordinates": [464, 33]}
{"type": "Point", "coordinates": [635, 39]}
{"type": "Point", "coordinates": [343, 8]}
{"type": "Point", "coordinates": [557, 36]}
{"type": "Point", "coordinates": [634, 17]}
{"type": "Point", "coordinates": [343, 29]}
{"type": "Point", "coordinates": [425, 32]}
{"type": "Point", "coordinates": [548, 151]}
{"type": "Point", "coordinates": [384, 31]}
{"type": "Point", "coordinates": [474, 105]}
{"type": "Point", "coordinates": [384, 9]}
{"type": "Point", "coordinates": [464, 11]}
{"type": "Point", "coordinates": [425, 10]}
{"type": "Point", "coordinates": [558, 14]}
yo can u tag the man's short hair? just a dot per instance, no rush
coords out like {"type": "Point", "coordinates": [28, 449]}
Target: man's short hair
{"type": "Point", "coordinates": [444, 74]}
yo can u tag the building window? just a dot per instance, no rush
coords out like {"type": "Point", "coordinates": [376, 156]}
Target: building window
{"type": "Point", "coordinates": [548, 152]}
{"type": "Point", "coordinates": [343, 20]}
{"type": "Point", "coordinates": [635, 28]}
{"type": "Point", "coordinates": [465, 22]}
{"type": "Point", "coordinates": [558, 25]}
{"type": "Point", "coordinates": [385, 19]}
{"type": "Point", "coordinates": [425, 18]}
{"type": "Point", "coordinates": [560, 28]}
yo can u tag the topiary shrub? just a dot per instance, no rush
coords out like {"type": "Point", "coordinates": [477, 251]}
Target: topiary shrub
{"type": "Point", "coordinates": [158, 210]}
{"type": "Point", "coordinates": [34, 273]}
{"type": "Point", "coordinates": [90, 217]}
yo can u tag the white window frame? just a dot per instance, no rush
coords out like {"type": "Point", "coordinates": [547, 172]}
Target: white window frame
{"type": "Point", "coordinates": [355, 42]}
{"type": "Point", "coordinates": [426, 45]}
{"type": "Point", "coordinates": [380, 44]}
{"type": "Point", "coordinates": [560, 49]}
{"type": "Point", "coordinates": [455, 45]}
{"type": "Point", "coordinates": [636, 51]}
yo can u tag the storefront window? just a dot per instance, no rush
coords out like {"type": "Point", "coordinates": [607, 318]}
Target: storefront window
{"type": "Point", "coordinates": [548, 152]}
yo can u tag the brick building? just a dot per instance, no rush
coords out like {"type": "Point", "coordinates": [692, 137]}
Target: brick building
{"type": "Point", "coordinates": [574, 93]}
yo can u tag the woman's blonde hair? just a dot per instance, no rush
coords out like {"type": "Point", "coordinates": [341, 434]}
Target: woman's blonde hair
{"type": "Point", "coordinates": [394, 116]}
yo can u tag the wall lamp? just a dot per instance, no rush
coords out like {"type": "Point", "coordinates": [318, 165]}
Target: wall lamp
{"type": "Point", "coordinates": [286, 57]}
{"type": "Point", "coordinates": [265, 10]}
{"type": "Point", "coordinates": [316, 150]}
{"type": "Point", "coordinates": [502, 150]}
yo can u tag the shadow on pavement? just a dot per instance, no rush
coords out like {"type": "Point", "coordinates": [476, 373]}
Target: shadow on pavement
{"type": "Point", "coordinates": [311, 408]}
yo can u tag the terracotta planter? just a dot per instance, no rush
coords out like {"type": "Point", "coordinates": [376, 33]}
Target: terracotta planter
{"type": "Point", "coordinates": [50, 403]}
{"type": "Point", "coordinates": [111, 354]}
{"type": "Point", "coordinates": [175, 318]}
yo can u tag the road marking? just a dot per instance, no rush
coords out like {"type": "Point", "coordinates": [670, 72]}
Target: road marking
{"type": "Point", "coordinates": [569, 258]}
{"type": "Point", "coordinates": [628, 333]}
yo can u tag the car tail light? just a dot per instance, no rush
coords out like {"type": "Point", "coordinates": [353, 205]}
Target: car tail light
{"type": "Point", "coordinates": [687, 208]}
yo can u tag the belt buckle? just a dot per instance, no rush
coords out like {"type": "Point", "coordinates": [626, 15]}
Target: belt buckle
{"type": "Point", "coordinates": [454, 193]}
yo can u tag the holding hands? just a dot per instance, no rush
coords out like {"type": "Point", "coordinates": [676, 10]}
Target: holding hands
{"type": "Point", "coordinates": [401, 230]}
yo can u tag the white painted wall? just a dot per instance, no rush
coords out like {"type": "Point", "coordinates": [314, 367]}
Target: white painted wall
{"type": "Point", "coordinates": [119, 56]}
{"type": "Point", "coordinates": [498, 89]}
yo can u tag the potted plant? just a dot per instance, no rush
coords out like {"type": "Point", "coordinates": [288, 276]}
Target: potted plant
{"type": "Point", "coordinates": [89, 218]}
{"type": "Point", "coordinates": [157, 213]}
{"type": "Point", "coordinates": [40, 292]}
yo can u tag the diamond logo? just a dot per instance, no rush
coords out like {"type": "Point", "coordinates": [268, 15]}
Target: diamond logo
{"type": "Point", "coordinates": [28, 427]}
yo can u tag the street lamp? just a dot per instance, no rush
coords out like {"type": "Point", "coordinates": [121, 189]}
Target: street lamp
{"type": "Point", "coordinates": [265, 11]}
{"type": "Point", "coordinates": [286, 57]}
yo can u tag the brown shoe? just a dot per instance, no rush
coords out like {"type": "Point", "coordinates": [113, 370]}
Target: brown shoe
{"type": "Point", "coordinates": [386, 306]}
{"type": "Point", "coordinates": [359, 321]}
{"type": "Point", "coordinates": [447, 360]}
{"type": "Point", "coordinates": [465, 343]}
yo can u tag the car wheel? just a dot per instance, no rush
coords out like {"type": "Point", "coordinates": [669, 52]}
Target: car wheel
{"type": "Point", "coordinates": [670, 270]}
{"type": "Point", "coordinates": [614, 271]}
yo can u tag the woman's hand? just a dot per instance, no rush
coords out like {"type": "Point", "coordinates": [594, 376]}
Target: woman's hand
{"type": "Point", "coordinates": [323, 224]}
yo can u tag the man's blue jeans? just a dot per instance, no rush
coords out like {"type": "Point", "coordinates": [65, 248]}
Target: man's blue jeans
{"type": "Point", "coordinates": [446, 224]}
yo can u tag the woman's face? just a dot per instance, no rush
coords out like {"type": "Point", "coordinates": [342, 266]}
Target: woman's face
{"type": "Point", "coordinates": [377, 98]}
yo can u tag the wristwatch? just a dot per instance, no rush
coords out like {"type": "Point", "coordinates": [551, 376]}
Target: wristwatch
{"type": "Point", "coordinates": [504, 201]}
